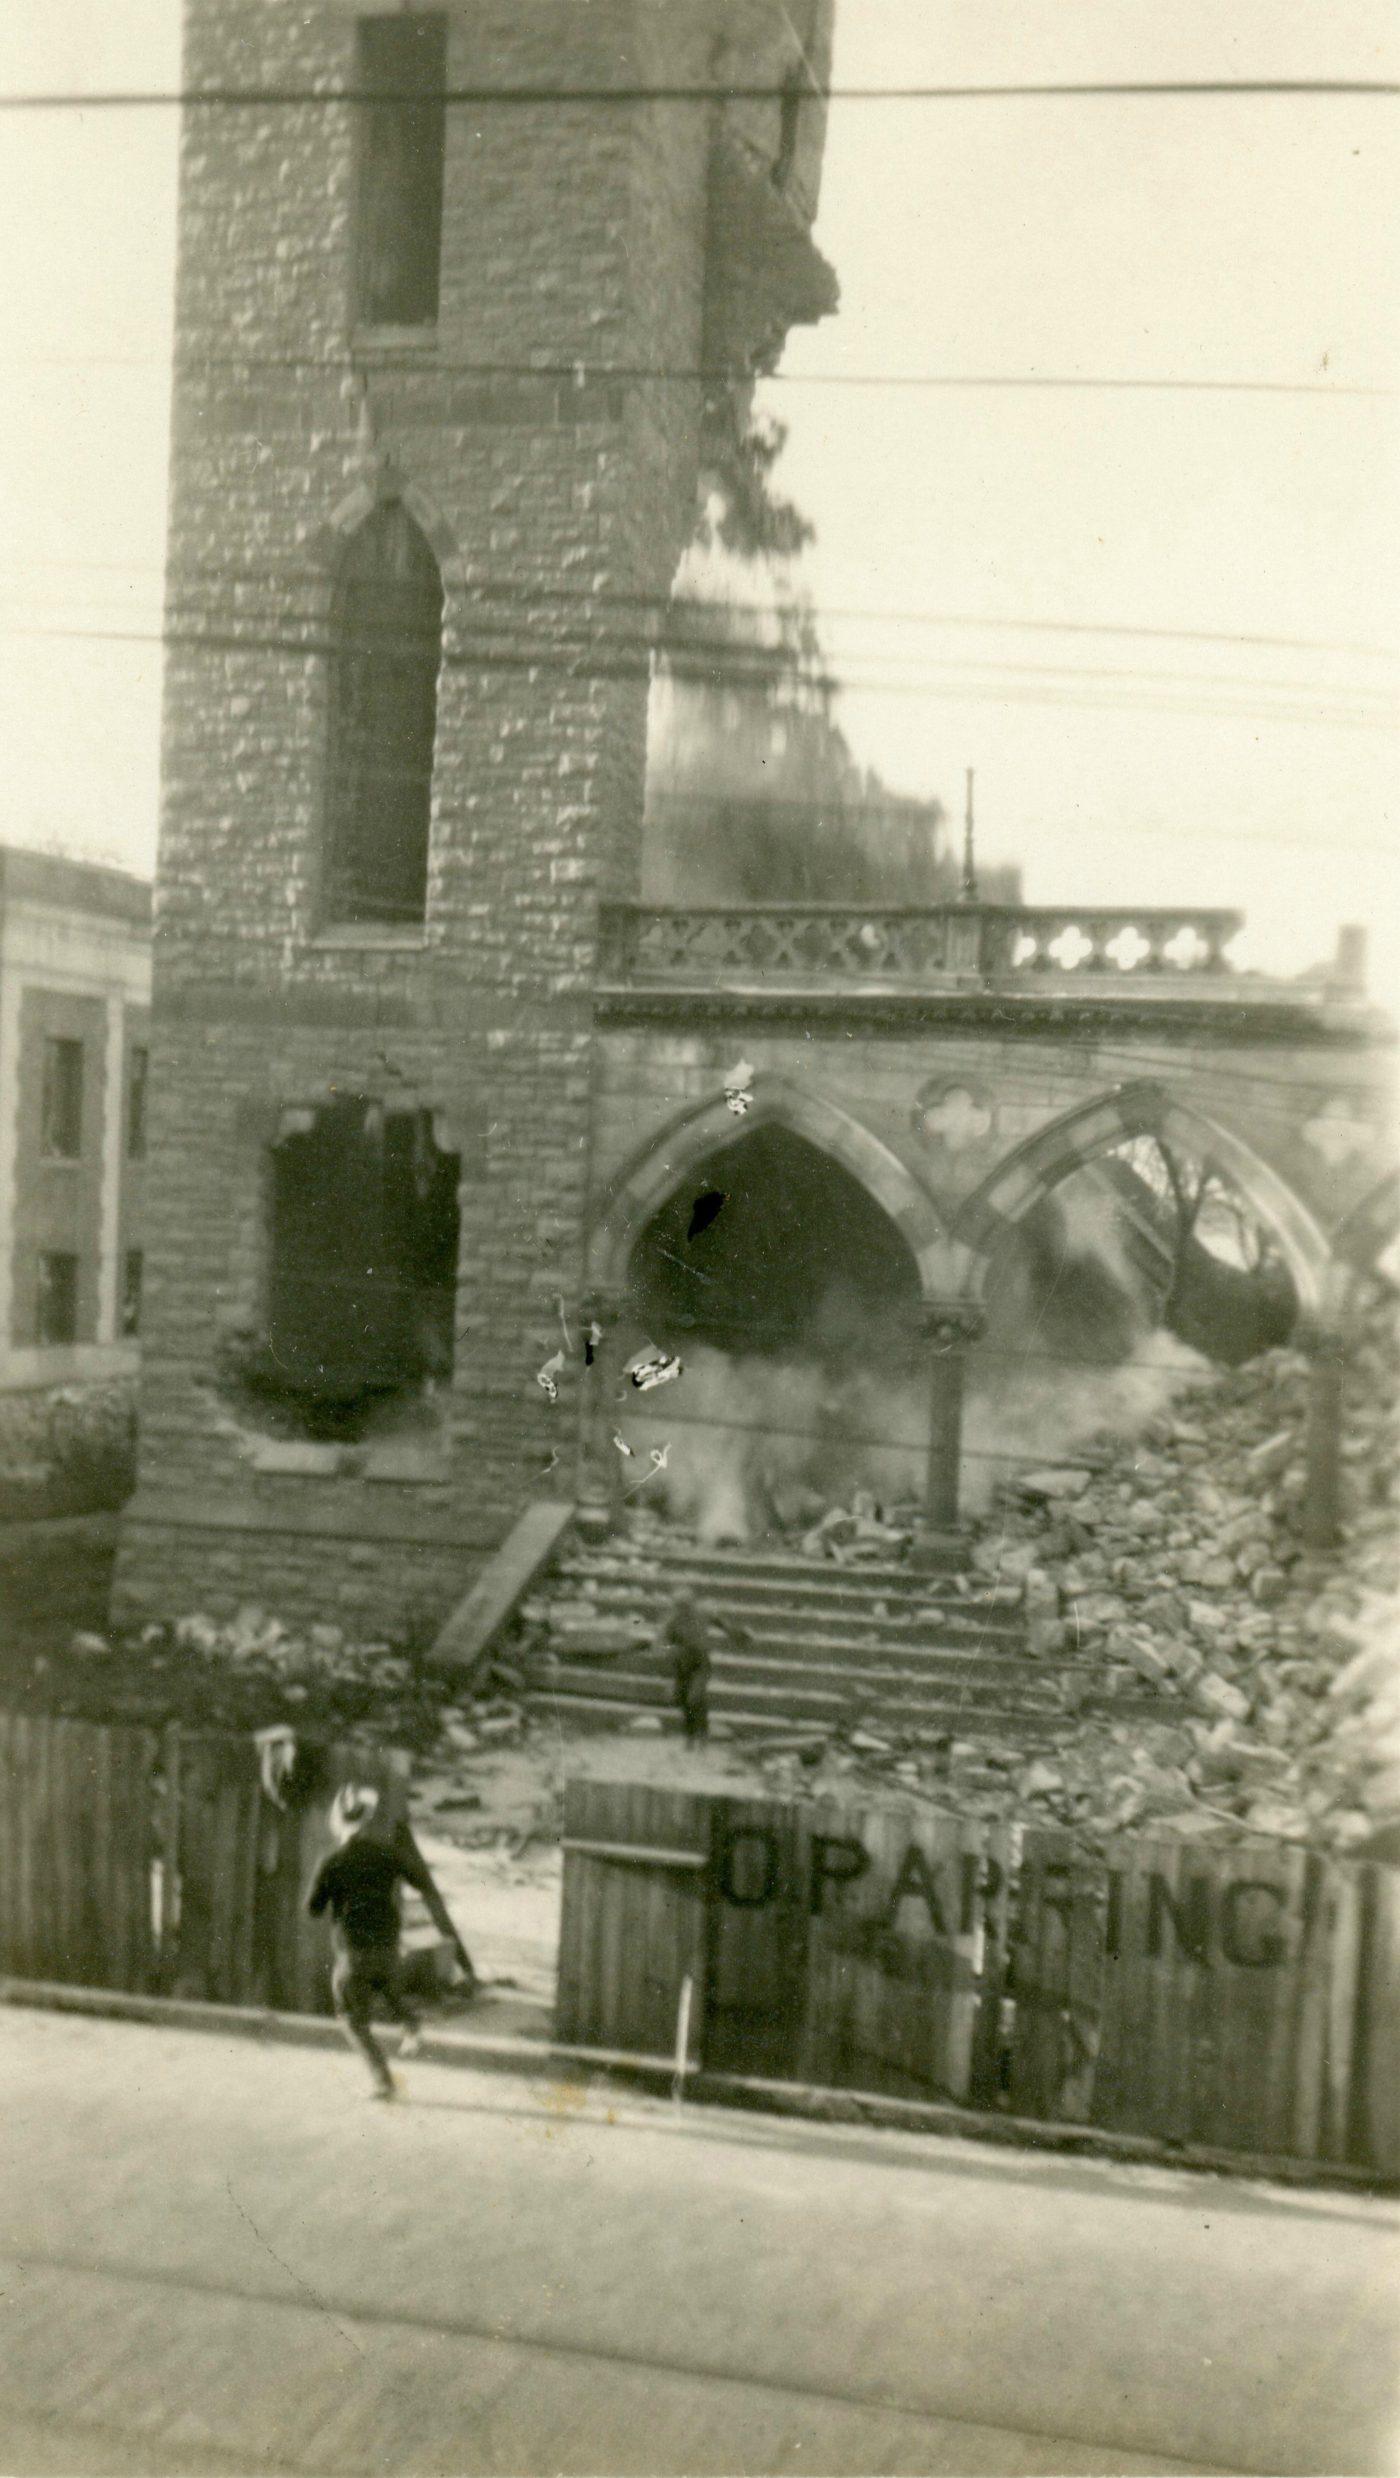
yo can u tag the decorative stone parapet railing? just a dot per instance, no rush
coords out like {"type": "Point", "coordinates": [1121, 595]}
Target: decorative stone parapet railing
{"type": "Point", "coordinates": [802, 944]}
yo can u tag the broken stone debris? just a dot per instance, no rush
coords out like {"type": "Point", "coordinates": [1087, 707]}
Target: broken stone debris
{"type": "Point", "coordinates": [1221, 1679]}
{"type": "Point", "coordinates": [1180, 1567]}
{"type": "Point", "coordinates": [864, 1531]}
{"type": "Point", "coordinates": [252, 1672]}
{"type": "Point", "coordinates": [1048, 1485]}
{"type": "Point", "coordinates": [1201, 1641]}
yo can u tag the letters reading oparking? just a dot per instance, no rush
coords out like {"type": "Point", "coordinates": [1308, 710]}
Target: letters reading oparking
{"type": "Point", "coordinates": [1244, 1920]}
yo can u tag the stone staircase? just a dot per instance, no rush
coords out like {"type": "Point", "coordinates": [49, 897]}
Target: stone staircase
{"type": "Point", "coordinates": [917, 1651]}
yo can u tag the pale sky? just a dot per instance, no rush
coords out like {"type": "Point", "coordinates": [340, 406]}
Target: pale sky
{"type": "Point", "coordinates": [1223, 239]}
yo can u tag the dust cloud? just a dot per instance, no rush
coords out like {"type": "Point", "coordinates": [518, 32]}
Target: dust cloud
{"type": "Point", "coordinates": [764, 1440]}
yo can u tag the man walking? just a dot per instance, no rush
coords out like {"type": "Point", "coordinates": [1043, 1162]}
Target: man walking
{"type": "Point", "coordinates": [358, 1884]}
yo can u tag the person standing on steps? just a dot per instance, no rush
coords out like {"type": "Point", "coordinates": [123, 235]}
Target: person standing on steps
{"type": "Point", "coordinates": [686, 1639]}
{"type": "Point", "coordinates": [359, 1885]}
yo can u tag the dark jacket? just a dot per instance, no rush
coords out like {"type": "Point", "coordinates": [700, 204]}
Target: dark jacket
{"type": "Point", "coordinates": [687, 1639]}
{"type": "Point", "coordinates": [359, 1886]}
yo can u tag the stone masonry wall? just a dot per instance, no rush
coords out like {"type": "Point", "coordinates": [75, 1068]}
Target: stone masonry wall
{"type": "Point", "coordinates": [952, 1101]}
{"type": "Point", "coordinates": [573, 234]}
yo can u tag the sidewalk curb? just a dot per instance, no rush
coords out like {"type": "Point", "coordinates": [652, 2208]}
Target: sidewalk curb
{"type": "Point", "coordinates": [743, 2094]}
{"type": "Point", "coordinates": [875, 2112]}
{"type": "Point", "coordinates": [442, 2045]}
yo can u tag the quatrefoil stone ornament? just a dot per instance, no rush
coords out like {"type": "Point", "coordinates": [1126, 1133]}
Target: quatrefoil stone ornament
{"type": "Point", "coordinates": [954, 1115]}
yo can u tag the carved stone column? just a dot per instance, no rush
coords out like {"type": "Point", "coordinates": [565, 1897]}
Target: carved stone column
{"type": "Point", "coordinates": [949, 1327]}
{"type": "Point", "coordinates": [600, 1478]}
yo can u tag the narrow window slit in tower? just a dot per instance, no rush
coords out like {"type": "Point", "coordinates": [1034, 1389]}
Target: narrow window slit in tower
{"type": "Point", "coordinates": [402, 71]}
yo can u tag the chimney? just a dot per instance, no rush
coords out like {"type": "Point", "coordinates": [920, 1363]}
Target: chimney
{"type": "Point", "coordinates": [1349, 962]}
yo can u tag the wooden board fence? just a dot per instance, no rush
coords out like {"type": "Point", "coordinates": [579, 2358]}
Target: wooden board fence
{"type": "Point", "coordinates": [1241, 2000]}
{"type": "Point", "coordinates": [158, 1863]}
{"type": "Point", "coordinates": [75, 1851]}
{"type": "Point", "coordinates": [626, 1950]}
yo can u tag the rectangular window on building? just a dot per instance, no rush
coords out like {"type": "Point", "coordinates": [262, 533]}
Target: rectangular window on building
{"type": "Point", "coordinates": [401, 76]}
{"type": "Point", "coordinates": [61, 1126]}
{"type": "Point", "coordinates": [56, 1320]}
{"type": "Point", "coordinates": [132, 1270]}
{"type": "Point", "coordinates": [136, 1106]}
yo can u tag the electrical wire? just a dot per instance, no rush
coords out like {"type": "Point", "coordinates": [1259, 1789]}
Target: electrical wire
{"type": "Point", "coordinates": [634, 661]}
{"type": "Point", "coordinates": [539, 97]}
{"type": "Point", "coordinates": [729, 660]}
{"type": "Point", "coordinates": [612, 597]}
{"type": "Point", "coordinates": [1144, 1063]}
{"type": "Point", "coordinates": [847, 1436]}
{"type": "Point", "coordinates": [635, 668]}
{"type": "Point", "coordinates": [977, 1351]}
{"type": "Point", "coordinates": [579, 373]}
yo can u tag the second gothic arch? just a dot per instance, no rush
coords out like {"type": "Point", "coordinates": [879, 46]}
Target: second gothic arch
{"type": "Point", "coordinates": [1144, 1109]}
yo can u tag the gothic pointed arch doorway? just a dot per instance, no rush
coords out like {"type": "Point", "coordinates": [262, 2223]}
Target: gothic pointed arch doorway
{"type": "Point", "coordinates": [779, 1263]}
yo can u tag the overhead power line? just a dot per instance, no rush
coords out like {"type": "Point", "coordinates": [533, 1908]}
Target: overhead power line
{"type": "Point", "coordinates": [510, 590]}
{"type": "Point", "coordinates": [661, 1415]}
{"type": "Point", "coordinates": [714, 651]}
{"type": "Point", "coordinates": [725, 662]}
{"type": "Point", "coordinates": [1297, 1087]}
{"type": "Point", "coordinates": [580, 373]}
{"type": "Point", "coordinates": [243, 98]}
{"type": "Point", "coordinates": [617, 661]}
{"type": "Point", "coordinates": [627, 654]}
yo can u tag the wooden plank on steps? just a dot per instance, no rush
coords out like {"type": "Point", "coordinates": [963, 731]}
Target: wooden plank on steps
{"type": "Point", "coordinates": [466, 1640]}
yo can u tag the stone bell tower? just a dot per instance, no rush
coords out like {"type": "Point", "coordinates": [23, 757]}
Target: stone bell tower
{"type": "Point", "coordinates": [457, 289]}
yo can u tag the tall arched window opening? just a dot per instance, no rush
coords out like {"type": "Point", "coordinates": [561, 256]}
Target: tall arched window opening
{"type": "Point", "coordinates": [386, 639]}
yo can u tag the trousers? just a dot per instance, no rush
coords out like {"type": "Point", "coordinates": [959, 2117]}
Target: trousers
{"type": "Point", "coordinates": [365, 1978]}
{"type": "Point", "coordinates": [693, 1696]}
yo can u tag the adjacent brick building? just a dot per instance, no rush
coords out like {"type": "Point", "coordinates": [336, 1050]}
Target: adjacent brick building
{"type": "Point", "coordinates": [436, 432]}
{"type": "Point", "coordinates": [74, 1006]}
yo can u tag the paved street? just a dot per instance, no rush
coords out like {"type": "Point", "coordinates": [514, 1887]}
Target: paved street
{"type": "Point", "coordinates": [220, 2257]}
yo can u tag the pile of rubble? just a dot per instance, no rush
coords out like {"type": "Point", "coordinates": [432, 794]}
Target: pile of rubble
{"type": "Point", "coordinates": [247, 1673]}
{"type": "Point", "coordinates": [864, 1532]}
{"type": "Point", "coordinates": [250, 1671]}
{"type": "Point", "coordinates": [1221, 1679]}
{"type": "Point", "coordinates": [1177, 1562]}
{"type": "Point", "coordinates": [1226, 1678]}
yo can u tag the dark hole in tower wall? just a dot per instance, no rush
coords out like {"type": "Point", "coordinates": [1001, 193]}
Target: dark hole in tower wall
{"type": "Point", "coordinates": [362, 1267]}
